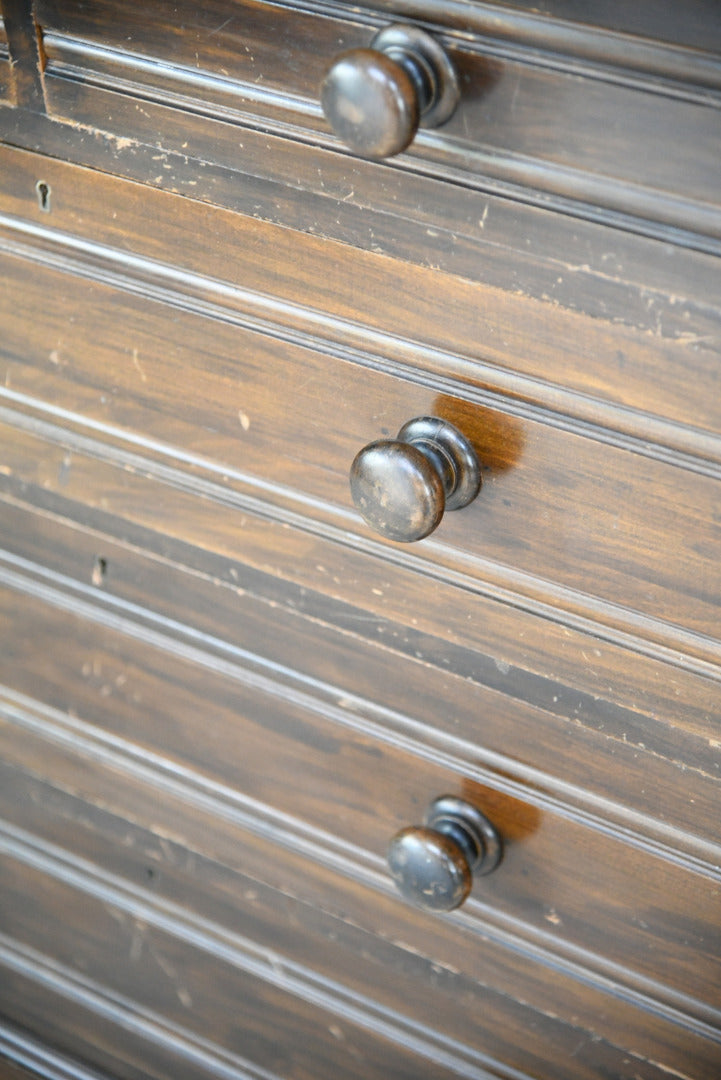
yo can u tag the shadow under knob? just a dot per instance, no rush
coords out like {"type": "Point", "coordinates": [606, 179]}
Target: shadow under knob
{"type": "Point", "coordinates": [402, 486]}
{"type": "Point", "coordinates": [375, 98]}
{"type": "Point", "coordinates": [434, 865]}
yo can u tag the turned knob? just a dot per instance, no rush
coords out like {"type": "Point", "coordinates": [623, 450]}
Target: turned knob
{"type": "Point", "coordinates": [434, 865]}
{"type": "Point", "coordinates": [402, 486]}
{"type": "Point", "coordinates": [375, 98]}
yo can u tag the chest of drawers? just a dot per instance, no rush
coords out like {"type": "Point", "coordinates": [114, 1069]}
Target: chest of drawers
{"type": "Point", "coordinates": [222, 693]}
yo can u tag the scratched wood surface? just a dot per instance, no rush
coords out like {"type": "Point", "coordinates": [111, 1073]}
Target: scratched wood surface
{"type": "Point", "coordinates": [549, 128]}
{"type": "Point", "coordinates": [220, 694]}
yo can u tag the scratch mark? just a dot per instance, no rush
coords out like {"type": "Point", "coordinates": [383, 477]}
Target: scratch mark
{"type": "Point", "coordinates": [64, 470]}
{"type": "Point", "coordinates": [166, 850]}
{"type": "Point", "coordinates": [515, 93]}
{"type": "Point", "coordinates": [138, 367]}
{"type": "Point", "coordinates": [221, 27]}
{"type": "Point", "coordinates": [244, 420]}
{"type": "Point", "coordinates": [136, 942]}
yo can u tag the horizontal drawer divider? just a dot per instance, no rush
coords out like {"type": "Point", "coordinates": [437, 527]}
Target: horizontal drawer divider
{"type": "Point", "coordinates": [476, 919]}
{"type": "Point", "coordinates": [607, 621]}
{"type": "Point", "coordinates": [489, 768]}
{"type": "Point", "coordinates": [524, 397]}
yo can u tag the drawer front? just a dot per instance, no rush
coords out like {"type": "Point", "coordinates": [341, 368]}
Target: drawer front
{"type": "Point", "coordinates": [174, 903]}
{"type": "Point", "coordinates": [502, 720]}
{"type": "Point", "coordinates": [353, 772]}
{"type": "Point", "coordinates": [568, 513]}
{"type": "Point", "coordinates": [496, 319]}
{"type": "Point", "coordinates": [527, 119]}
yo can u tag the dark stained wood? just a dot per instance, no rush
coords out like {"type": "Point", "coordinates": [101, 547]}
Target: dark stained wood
{"type": "Point", "coordinates": [27, 58]}
{"type": "Point", "coordinates": [316, 918]}
{"type": "Point", "coordinates": [221, 695]}
{"type": "Point", "coordinates": [624, 752]}
{"type": "Point", "coordinates": [516, 122]}
{"type": "Point", "coordinates": [563, 504]}
{"type": "Point", "coordinates": [286, 748]}
{"type": "Point", "coordinates": [525, 351]}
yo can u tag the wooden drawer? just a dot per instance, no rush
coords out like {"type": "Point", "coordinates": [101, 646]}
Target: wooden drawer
{"type": "Point", "coordinates": [567, 513]}
{"type": "Point", "coordinates": [351, 772]}
{"type": "Point", "coordinates": [165, 903]}
{"type": "Point", "coordinates": [571, 129]}
{"type": "Point", "coordinates": [495, 320]}
{"type": "Point", "coordinates": [598, 756]}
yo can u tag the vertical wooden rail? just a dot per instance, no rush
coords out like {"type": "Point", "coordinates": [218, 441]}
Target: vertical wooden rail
{"type": "Point", "coordinates": [26, 54]}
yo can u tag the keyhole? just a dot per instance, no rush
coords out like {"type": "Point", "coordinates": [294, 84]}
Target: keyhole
{"type": "Point", "coordinates": [43, 191]}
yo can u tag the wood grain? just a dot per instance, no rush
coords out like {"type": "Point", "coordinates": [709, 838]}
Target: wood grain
{"type": "Point", "coordinates": [449, 688]}
{"type": "Point", "coordinates": [154, 865]}
{"type": "Point", "coordinates": [494, 339]}
{"type": "Point", "coordinates": [220, 694]}
{"type": "Point", "coordinates": [117, 489]}
{"type": "Point", "coordinates": [297, 754]}
{"type": "Point", "coordinates": [554, 505]}
{"type": "Point", "coordinates": [539, 129]}
{"type": "Point", "coordinates": [24, 43]}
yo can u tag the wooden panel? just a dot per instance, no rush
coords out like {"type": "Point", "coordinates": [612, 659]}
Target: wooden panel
{"type": "Point", "coordinates": [287, 748]}
{"type": "Point", "coordinates": [578, 264]}
{"type": "Point", "coordinates": [480, 337]}
{"type": "Point", "coordinates": [119, 492]}
{"type": "Point", "coordinates": [203, 985]}
{"type": "Point", "coordinates": [611, 30]}
{"type": "Point", "coordinates": [587, 139]}
{"type": "Point", "coordinates": [150, 870]}
{"type": "Point", "coordinates": [555, 505]}
{"type": "Point", "coordinates": [23, 1056]}
{"type": "Point", "coordinates": [432, 703]}
{"type": "Point", "coordinates": [21, 38]}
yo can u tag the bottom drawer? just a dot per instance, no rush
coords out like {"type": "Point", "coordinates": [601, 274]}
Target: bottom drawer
{"type": "Point", "coordinates": [159, 950]}
{"type": "Point", "coordinates": [577, 892]}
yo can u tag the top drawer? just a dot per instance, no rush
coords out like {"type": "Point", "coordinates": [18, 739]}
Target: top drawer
{"type": "Point", "coordinates": [586, 128]}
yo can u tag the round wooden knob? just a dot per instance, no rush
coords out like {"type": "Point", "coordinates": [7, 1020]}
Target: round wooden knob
{"type": "Point", "coordinates": [375, 98]}
{"type": "Point", "coordinates": [433, 865]}
{"type": "Point", "coordinates": [402, 486]}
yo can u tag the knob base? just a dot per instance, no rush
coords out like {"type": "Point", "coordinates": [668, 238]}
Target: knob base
{"type": "Point", "coordinates": [472, 831]}
{"type": "Point", "coordinates": [429, 64]}
{"type": "Point", "coordinates": [462, 475]}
